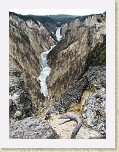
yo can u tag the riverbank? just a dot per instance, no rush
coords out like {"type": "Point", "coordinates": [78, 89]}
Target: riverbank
{"type": "Point", "coordinates": [45, 67]}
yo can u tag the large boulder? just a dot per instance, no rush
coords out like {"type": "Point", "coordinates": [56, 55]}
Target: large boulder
{"type": "Point", "coordinates": [94, 109]}
{"type": "Point", "coordinates": [31, 128]}
{"type": "Point", "coordinates": [20, 103]}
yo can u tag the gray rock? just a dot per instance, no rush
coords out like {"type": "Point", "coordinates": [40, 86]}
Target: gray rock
{"type": "Point", "coordinates": [102, 132]}
{"type": "Point", "coordinates": [93, 112]}
{"type": "Point", "coordinates": [84, 115]}
{"type": "Point", "coordinates": [72, 95]}
{"type": "Point", "coordinates": [20, 103]}
{"type": "Point", "coordinates": [95, 103]}
{"type": "Point", "coordinates": [31, 128]}
{"type": "Point", "coordinates": [95, 121]}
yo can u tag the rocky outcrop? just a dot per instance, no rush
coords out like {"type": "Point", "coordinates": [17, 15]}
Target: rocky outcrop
{"type": "Point", "coordinates": [89, 21]}
{"type": "Point", "coordinates": [20, 101]}
{"type": "Point", "coordinates": [31, 128]}
{"type": "Point", "coordinates": [51, 27]}
{"type": "Point", "coordinates": [95, 76]}
{"type": "Point", "coordinates": [94, 108]}
{"type": "Point", "coordinates": [27, 39]}
{"type": "Point", "coordinates": [22, 123]}
{"type": "Point", "coordinates": [91, 107]}
{"type": "Point", "coordinates": [92, 20]}
{"type": "Point", "coordinates": [64, 28]}
{"type": "Point", "coordinates": [68, 58]}
{"type": "Point", "coordinates": [72, 95]}
{"type": "Point", "coordinates": [94, 111]}
{"type": "Point", "coordinates": [67, 27]}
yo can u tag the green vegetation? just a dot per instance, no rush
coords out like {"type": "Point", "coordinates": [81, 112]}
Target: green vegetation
{"type": "Point", "coordinates": [62, 18]}
{"type": "Point", "coordinates": [99, 20]}
{"type": "Point", "coordinates": [34, 18]}
{"type": "Point", "coordinates": [97, 57]}
{"type": "Point", "coordinates": [55, 19]}
{"type": "Point", "coordinates": [82, 18]}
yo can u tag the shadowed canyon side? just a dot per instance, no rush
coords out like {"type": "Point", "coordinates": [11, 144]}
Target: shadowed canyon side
{"type": "Point", "coordinates": [28, 38]}
{"type": "Point", "coordinates": [68, 58]}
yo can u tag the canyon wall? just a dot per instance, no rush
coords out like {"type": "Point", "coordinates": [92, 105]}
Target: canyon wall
{"type": "Point", "coordinates": [27, 39]}
{"type": "Point", "coordinates": [68, 58]}
{"type": "Point", "coordinates": [81, 20]}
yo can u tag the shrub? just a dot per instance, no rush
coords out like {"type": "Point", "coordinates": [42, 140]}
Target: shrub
{"type": "Point", "coordinates": [99, 20]}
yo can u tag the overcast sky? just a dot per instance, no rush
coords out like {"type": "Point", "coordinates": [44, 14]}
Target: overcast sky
{"type": "Point", "coordinates": [57, 11]}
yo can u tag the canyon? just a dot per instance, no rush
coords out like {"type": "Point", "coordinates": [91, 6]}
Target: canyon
{"type": "Point", "coordinates": [45, 68]}
{"type": "Point", "coordinates": [72, 66]}
{"type": "Point", "coordinates": [68, 58]}
{"type": "Point", "coordinates": [27, 40]}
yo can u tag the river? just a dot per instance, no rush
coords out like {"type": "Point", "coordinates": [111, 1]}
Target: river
{"type": "Point", "coordinates": [45, 68]}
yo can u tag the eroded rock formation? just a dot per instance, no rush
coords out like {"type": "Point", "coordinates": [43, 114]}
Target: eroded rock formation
{"type": "Point", "coordinates": [22, 123]}
{"type": "Point", "coordinates": [27, 39]}
{"type": "Point", "coordinates": [68, 58]}
{"type": "Point", "coordinates": [20, 101]}
{"type": "Point", "coordinates": [91, 107]}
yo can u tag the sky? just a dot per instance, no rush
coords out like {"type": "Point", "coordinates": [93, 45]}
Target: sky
{"type": "Point", "coordinates": [57, 11]}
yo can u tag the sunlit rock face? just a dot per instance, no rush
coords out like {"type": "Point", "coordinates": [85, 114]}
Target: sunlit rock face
{"type": "Point", "coordinates": [68, 58]}
{"type": "Point", "coordinates": [89, 21]}
{"type": "Point", "coordinates": [64, 29]}
{"type": "Point", "coordinates": [27, 40]}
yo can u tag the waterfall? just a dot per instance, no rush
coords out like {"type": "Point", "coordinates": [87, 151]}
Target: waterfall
{"type": "Point", "coordinates": [45, 68]}
{"type": "Point", "coordinates": [58, 35]}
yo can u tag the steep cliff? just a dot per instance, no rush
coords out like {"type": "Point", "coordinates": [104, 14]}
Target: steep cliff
{"type": "Point", "coordinates": [68, 58]}
{"type": "Point", "coordinates": [86, 98]}
{"type": "Point", "coordinates": [27, 39]}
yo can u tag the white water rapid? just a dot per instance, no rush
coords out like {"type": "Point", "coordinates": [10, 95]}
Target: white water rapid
{"type": "Point", "coordinates": [45, 68]}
